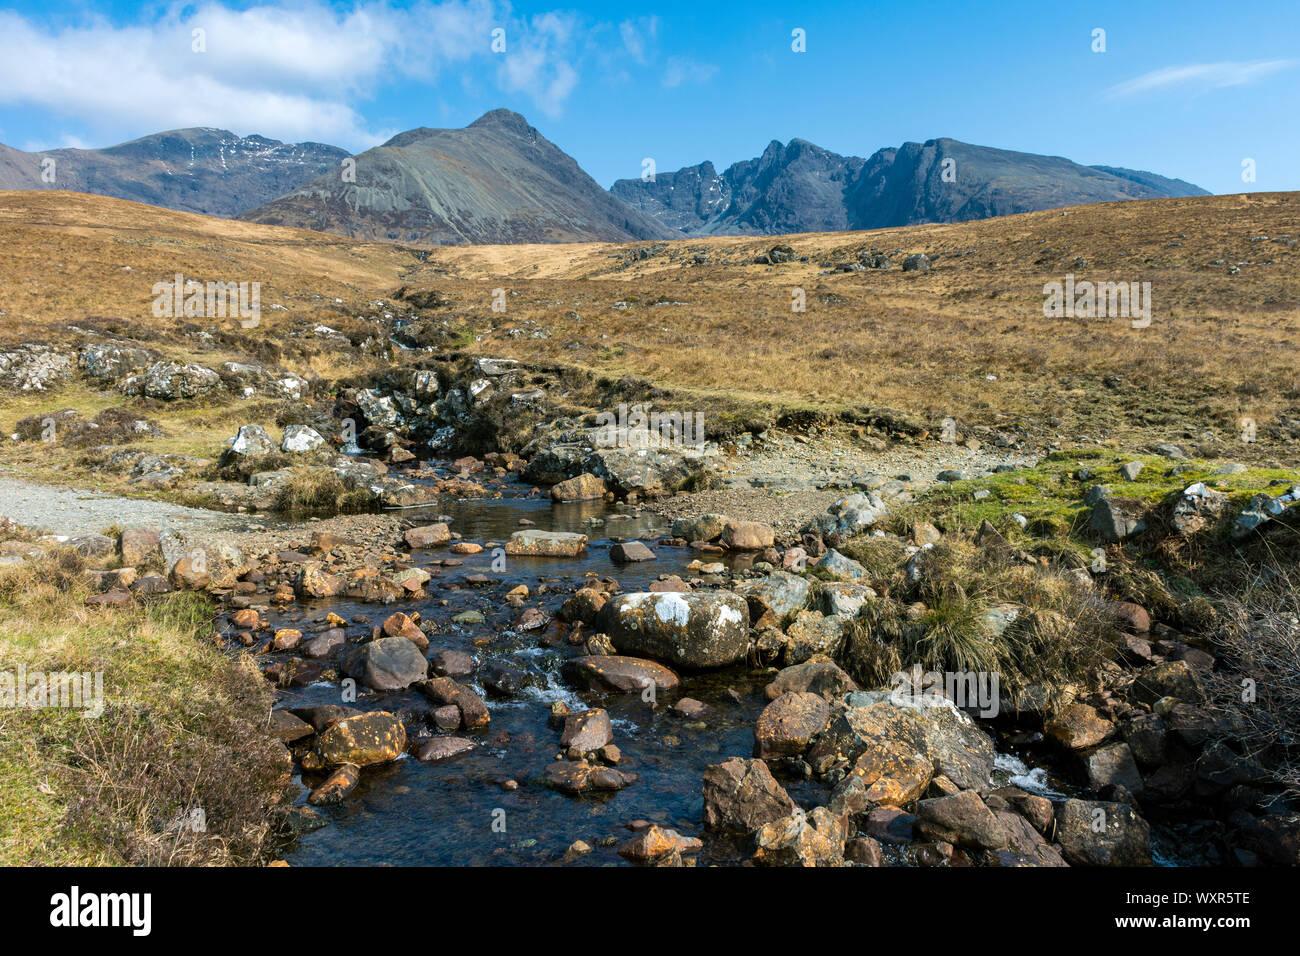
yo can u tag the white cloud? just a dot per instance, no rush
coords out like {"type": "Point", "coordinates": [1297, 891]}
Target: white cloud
{"type": "Point", "coordinates": [298, 70]}
{"type": "Point", "coordinates": [682, 69]}
{"type": "Point", "coordinates": [1199, 77]}
{"type": "Point", "coordinates": [637, 35]}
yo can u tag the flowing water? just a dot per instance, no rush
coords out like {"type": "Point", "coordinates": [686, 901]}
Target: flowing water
{"type": "Point", "coordinates": [457, 812]}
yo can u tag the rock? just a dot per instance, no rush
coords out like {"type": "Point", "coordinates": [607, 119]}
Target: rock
{"type": "Point", "coordinates": [742, 796]}
{"type": "Point", "coordinates": [112, 362]}
{"type": "Point", "coordinates": [299, 439]}
{"type": "Point", "coordinates": [324, 644]}
{"type": "Point", "coordinates": [92, 545]}
{"type": "Point", "coordinates": [251, 441]}
{"type": "Point", "coordinates": [400, 625]}
{"type": "Point", "coordinates": [312, 581]}
{"type": "Point", "coordinates": [1197, 508]}
{"type": "Point", "coordinates": [961, 819]}
{"type": "Point", "coordinates": [444, 748]}
{"type": "Point", "coordinates": [390, 663]}
{"type": "Point", "coordinates": [586, 731]}
{"type": "Point", "coordinates": [811, 634]}
{"type": "Point", "coordinates": [33, 367]}
{"type": "Point", "coordinates": [583, 605]}
{"type": "Point", "coordinates": [546, 544]}
{"type": "Point", "coordinates": [113, 599]}
{"type": "Point", "coordinates": [839, 567]}
{"type": "Point", "coordinates": [1174, 679]}
{"type": "Point", "coordinates": [1102, 834]}
{"type": "Point", "coordinates": [812, 839]}
{"type": "Point", "coordinates": [584, 487]}
{"type": "Point", "coordinates": [427, 536]}
{"type": "Point", "coordinates": [1260, 509]}
{"type": "Point", "coordinates": [1114, 519]}
{"type": "Point", "coordinates": [695, 630]}
{"type": "Point", "coordinates": [747, 536]}
{"type": "Point", "coordinates": [151, 584]}
{"type": "Point", "coordinates": [864, 851]}
{"type": "Point", "coordinates": [917, 262]}
{"type": "Point", "coordinates": [336, 786]}
{"type": "Point", "coordinates": [1077, 727]}
{"type": "Point", "coordinates": [138, 546]}
{"type": "Point", "coordinates": [630, 552]}
{"type": "Point", "coordinates": [780, 592]}
{"type": "Point", "coordinates": [448, 663]}
{"type": "Point", "coordinates": [1110, 765]}
{"type": "Point", "coordinates": [619, 674]}
{"type": "Point", "coordinates": [706, 527]}
{"type": "Point", "coordinates": [787, 724]}
{"type": "Point", "coordinates": [363, 739]}
{"type": "Point", "coordinates": [473, 711]}
{"type": "Point", "coordinates": [819, 675]}
{"type": "Point", "coordinates": [1132, 616]}
{"type": "Point", "coordinates": [578, 776]}
{"type": "Point", "coordinates": [654, 842]}
{"type": "Point", "coordinates": [190, 574]}
{"type": "Point", "coordinates": [845, 600]}
{"type": "Point", "coordinates": [170, 381]}
{"type": "Point", "coordinates": [286, 639]}
{"type": "Point", "coordinates": [1025, 845]}
{"type": "Point", "coordinates": [890, 825]}
{"type": "Point", "coordinates": [288, 728]}
{"type": "Point", "coordinates": [1130, 470]}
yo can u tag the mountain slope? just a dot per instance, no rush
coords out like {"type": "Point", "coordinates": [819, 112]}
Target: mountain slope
{"type": "Point", "coordinates": [209, 171]}
{"type": "Point", "coordinates": [804, 188]}
{"type": "Point", "coordinates": [497, 180]}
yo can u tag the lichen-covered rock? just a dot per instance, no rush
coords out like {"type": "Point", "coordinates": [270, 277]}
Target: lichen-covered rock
{"type": "Point", "coordinates": [742, 795]}
{"type": "Point", "coordinates": [364, 739]}
{"type": "Point", "coordinates": [788, 723]}
{"type": "Point", "coordinates": [1094, 833]}
{"type": "Point", "coordinates": [546, 544]}
{"type": "Point", "coordinates": [695, 630]}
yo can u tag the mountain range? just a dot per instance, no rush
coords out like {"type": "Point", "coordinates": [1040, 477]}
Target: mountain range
{"type": "Point", "coordinates": [208, 171]}
{"type": "Point", "coordinates": [499, 180]}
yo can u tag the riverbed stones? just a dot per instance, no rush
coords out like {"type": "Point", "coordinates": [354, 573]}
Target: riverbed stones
{"type": "Point", "coordinates": [138, 546]}
{"type": "Point", "coordinates": [741, 796]}
{"type": "Point", "coordinates": [325, 643]}
{"type": "Point", "coordinates": [961, 819]}
{"type": "Point", "coordinates": [812, 633]}
{"type": "Point", "coordinates": [781, 593]}
{"type": "Point", "coordinates": [1095, 833]}
{"type": "Point", "coordinates": [363, 739]}
{"type": "Point", "coordinates": [819, 675]}
{"type": "Point", "coordinates": [452, 663]}
{"type": "Point", "coordinates": [473, 710]}
{"type": "Point", "coordinates": [655, 842]}
{"type": "Point", "coordinates": [578, 776]}
{"type": "Point", "coordinates": [617, 673]}
{"type": "Point", "coordinates": [1112, 765]}
{"type": "Point", "coordinates": [705, 527]}
{"type": "Point", "coordinates": [788, 723]}
{"type": "Point", "coordinates": [546, 544]}
{"type": "Point", "coordinates": [584, 487]}
{"type": "Point", "coordinates": [586, 731]}
{"type": "Point", "coordinates": [840, 567]}
{"type": "Point", "coordinates": [695, 631]}
{"type": "Point", "coordinates": [336, 786]}
{"type": "Point", "coordinates": [1174, 679]}
{"type": "Point", "coordinates": [802, 839]}
{"type": "Point", "coordinates": [288, 728]}
{"type": "Point", "coordinates": [444, 748]}
{"type": "Point", "coordinates": [583, 605]}
{"type": "Point", "coordinates": [1077, 726]}
{"type": "Point", "coordinates": [631, 552]}
{"type": "Point", "coordinates": [427, 536]}
{"type": "Point", "coordinates": [747, 536]}
{"type": "Point", "coordinates": [389, 663]}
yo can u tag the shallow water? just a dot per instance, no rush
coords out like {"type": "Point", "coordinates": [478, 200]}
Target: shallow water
{"type": "Point", "coordinates": [456, 812]}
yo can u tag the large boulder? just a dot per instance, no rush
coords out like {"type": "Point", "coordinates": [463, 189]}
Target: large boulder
{"type": "Point", "coordinates": [961, 819]}
{"type": "Point", "coordinates": [780, 592]}
{"type": "Point", "coordinates": [614, 673]}
{"type": "Point", "coordinates": [251, 441]}
{"type": "Point", "coordinates": [747, 536]}
{"type": "Point", "coordinates": [170, 381]}
{"type": "Point", "coordinates": [788, 723]}
{"type": "Point", "coordinates": [705, 527]}
{"type": "Point", "coordinates": [111, 362]}
{"type": "Point", "coordinates": [365, 739]}
{"type": "Point", "coordinates": [689, 630]}
{"type": "Point", "coordinates": [849, 516]}
{"type": "Point", "coordinates": [389, 663]}
{"type": "Point", "coordinates": [299, 439]}
{"type": "Point", "coordinates": [546, 544]}
{"type": "Point", "coordinates": [579, 488]}
{"type": "Point", "coordinates": [1094, 833]}
{"type": "Point", "coordinates": [741, 796]}
{"type": "Point", "coordinates": [803, 839]}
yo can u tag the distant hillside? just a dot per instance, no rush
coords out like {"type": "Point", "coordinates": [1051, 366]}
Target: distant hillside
{"type": "Point", "coordinates": [497, 180]}
{"type": "Point", "coordinates": [209, 171]}
{"type": "Point", "coordinates": [804, 188]}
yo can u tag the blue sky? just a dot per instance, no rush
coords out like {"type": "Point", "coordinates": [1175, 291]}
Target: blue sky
{"type": "Point", "coordinates": [1187, 89]}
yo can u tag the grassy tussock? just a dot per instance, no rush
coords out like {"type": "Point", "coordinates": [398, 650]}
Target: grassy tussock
{"type": "Point", "coordinates": [317, 491]}
{"type": "Point", "coordinates": [180, 732]}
